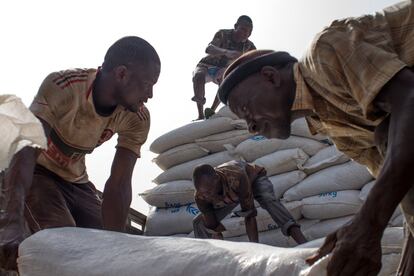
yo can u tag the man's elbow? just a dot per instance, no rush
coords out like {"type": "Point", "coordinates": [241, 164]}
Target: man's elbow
{"type": "Point", "coordinates": [209, 49]}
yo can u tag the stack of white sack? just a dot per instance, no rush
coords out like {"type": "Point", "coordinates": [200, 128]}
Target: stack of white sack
{"type": "Point", "coordinates": [70, 252]}
{"type": "Point", "coordinates": [179, 152]}
{"type": "Point", "coordinates": [317, 184]}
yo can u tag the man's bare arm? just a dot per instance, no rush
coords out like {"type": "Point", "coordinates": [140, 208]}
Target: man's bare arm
{"type": "Point", "coordinates": [117, 195]}
{"type": "Point", "coordinates": [251, 229]}
{"type": "Point", "coordinates": [17, 182]}
{"type": "Point", "coordinates": [214, 50]}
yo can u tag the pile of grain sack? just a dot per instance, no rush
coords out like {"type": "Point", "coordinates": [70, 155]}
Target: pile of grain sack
{"type": "Point", "coordinates": [320, 186]}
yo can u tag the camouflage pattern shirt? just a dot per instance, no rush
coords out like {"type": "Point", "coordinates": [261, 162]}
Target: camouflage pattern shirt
{"type": "Point", "coordinates": [224, 39]}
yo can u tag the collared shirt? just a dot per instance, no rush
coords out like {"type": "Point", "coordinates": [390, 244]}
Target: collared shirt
{"type": "Point", "coordinates": [344, 70]}
{"type": "Point", "coordinates": [65, 102]}
{"type": "Point", "coordinates": [236, 178]}
{"type": "Point", "coordinates": [224, 39]}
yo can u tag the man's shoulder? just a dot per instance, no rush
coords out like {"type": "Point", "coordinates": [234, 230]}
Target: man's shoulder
{"type": "Point", "coordinates": [66, 78]}
{"type": "Point", "coordinates": [128, 120]}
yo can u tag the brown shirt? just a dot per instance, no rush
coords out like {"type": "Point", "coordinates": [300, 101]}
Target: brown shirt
{"type": "Point", "coordinates": [224, 39]}
{"type": "Point", "coordinates": [65, 102]}
{"type": "Point", "coordinates": [237, 179]}
{"type": "Point", "coordinates": [344, 70]}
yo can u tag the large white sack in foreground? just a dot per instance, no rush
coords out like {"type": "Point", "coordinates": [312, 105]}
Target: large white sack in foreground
{"type": "Point", "coordinates": [190, 132]}
{"type": "Point", "coordinates": [216, 142]}
{"type": "Point", "coordinates": [331, 205]}
{"type": "Point", "coordinates": [348, 176]}
{"type": "Point", "coordinates": [282, 161]}
{"type": "Point", "coordinates": [184, 171]}
{"type": "Point", "coordinates": [259, 146]}
{"type": "Point", "coordinates": [179, 154]}
{"type": "Point", "coordinates": [170, 221]}
{"type": "Point", "coordinates": [170, 194]}
{"type": "Point", "coordinates": [19, 128]}
{"type": "Point", "coordinates": [391, 242]}
{"type": "Point", "coordinates": [325, 158]}
{"type": "Point", "coordinates": [389, 266]}
{"type": "Point", "coordinates": [73, 252]}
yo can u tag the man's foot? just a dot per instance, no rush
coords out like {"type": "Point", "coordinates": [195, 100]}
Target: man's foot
{"type": "Point", "coordinates": [208, 112]}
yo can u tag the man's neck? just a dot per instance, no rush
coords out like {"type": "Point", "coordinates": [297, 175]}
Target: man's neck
{"type": "Point", "coordinates": [104, 104]}
{"type": "Point", "coordinates": [296, 112]}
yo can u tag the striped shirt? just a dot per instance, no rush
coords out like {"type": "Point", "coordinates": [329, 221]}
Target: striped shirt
{"type": "Point", "coordinates": [65, 102]}
{"type": "Point", "coordinates": [344, 70]}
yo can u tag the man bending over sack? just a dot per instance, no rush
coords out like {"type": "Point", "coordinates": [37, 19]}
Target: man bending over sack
{"type": "Point", "coordinates": [355, 84]}
{"type": "Point", "coordinates": [219, 190]}
{"type": "Point", "coordinates": [80, 109]}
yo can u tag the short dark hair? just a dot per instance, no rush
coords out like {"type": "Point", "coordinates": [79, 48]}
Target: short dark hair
{"type": "Point", "coordinates": [249, 64]}
{"type": "Point", "coordinates": [244, 19]}
{"type": "Point", "coordinates": [202, 171]}
{"type": "Point", "coordinates": [130, 50]}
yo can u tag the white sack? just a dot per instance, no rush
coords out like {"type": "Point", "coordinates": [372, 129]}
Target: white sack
{"type": "Point", "coordinates": [325, 158]}
{"type": "Point", "coordinates": [331, 205]}
{"type": "Point", "coordinates": [282, 161]}
{"type": "Point", "coordinates": [391, 242]}
{"type": "Point", "coordinates": [258, 146]}
{"type": "Point", "coordinates": [325, 227]}
{"type": "Point", "coordinates": [170, 194]}
{"type": "Point", "coordinates": [366, 189]}
{"type": "Point", "coordinates": [215, 143]}
{"type": "Point", "coordinates": [283, 182]}
{"type": "Point", "coordinates": [299, 127]}
{"type": "Point", "coordinates": [73, 252]}
{"type": "Point", "coordinates": [347, 176]}
{"type": "Point", "coordinates": [169, 221]}
{"type": "Point", "coordinates": [389, 266]}
{"type": "Point", "coordinates": [184, 171]}
{"type": "Point", "coordinates": [19, 128]}
{"type": "Point", "coordinates": [179, 154]}
{"type": "Point", "coordinates": [235, 226]}
{"type": "Point", "coordinates": [397, 221]}
{"type": "Point", "coordinates": [225, 112]}
{"type": "Point", "coordinates": [190, 132]}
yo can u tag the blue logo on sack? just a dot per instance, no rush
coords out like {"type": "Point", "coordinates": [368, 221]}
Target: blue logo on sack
{"type": "Point", "coordinates": [332, 194]}
{"type": "Point", "coordinates": [258, 138]}
{"type": "Point", "coordinates": [192, 210]}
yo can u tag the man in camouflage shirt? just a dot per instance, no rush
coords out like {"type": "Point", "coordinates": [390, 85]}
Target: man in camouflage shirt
{"type": "Point", "coordinates": [226, 46]}
{"type": "Point", "coordinates": [219, 190]}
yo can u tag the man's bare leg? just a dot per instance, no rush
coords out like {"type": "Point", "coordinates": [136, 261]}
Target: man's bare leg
{"type": "Point", "coordinates": [199, 81]}
{"type": "Point", "coordinates": [297, 234]}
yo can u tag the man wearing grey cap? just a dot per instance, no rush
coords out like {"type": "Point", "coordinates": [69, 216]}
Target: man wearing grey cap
{"type": "Point", "coordinates": [355, 84]}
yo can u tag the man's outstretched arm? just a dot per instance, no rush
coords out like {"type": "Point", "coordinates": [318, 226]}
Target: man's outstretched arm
{"type": "Point", "coordinates": [357, 247]}
{"type": "Point", "coordinates": [17, 182]}
{"type": "Point", "coordinates": [117, 195]}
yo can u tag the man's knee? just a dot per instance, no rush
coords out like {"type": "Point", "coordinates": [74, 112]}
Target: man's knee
{"type": "Point", "coordinates": [263, 190]}
{"type": "Point", "coordinates": [199, 77]}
